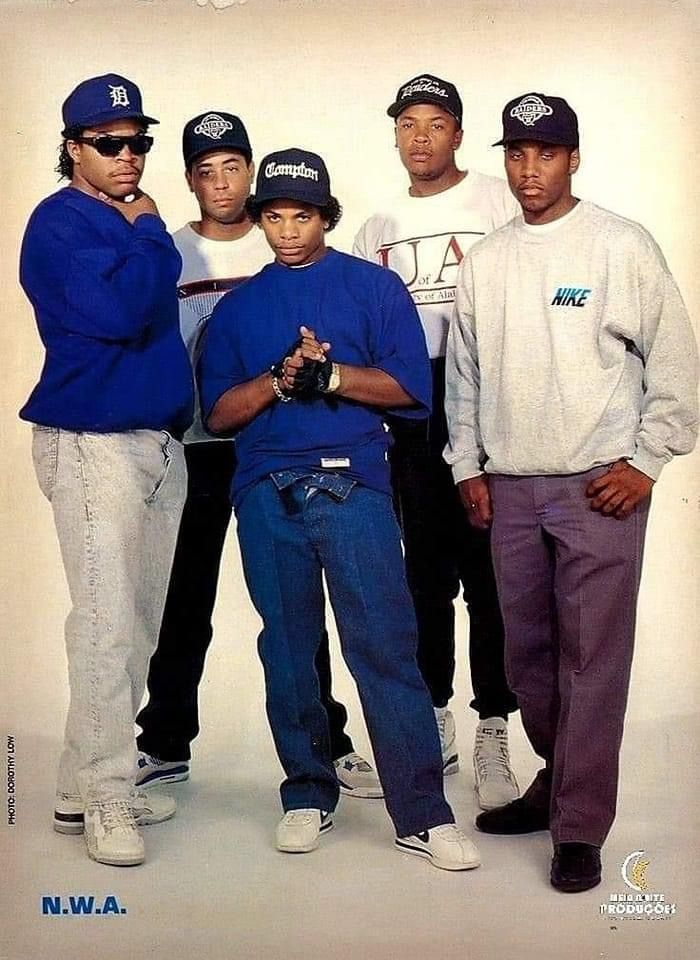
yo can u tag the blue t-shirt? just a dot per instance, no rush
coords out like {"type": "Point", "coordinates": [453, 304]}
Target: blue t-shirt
{"type": "Point", "coordinates": [369, 318]}
{"type": "Point", "coordinates": [105, 298]}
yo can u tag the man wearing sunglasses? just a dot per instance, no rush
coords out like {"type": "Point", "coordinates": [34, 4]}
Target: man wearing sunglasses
{"type": "Point", "coordinates": [113, 400]}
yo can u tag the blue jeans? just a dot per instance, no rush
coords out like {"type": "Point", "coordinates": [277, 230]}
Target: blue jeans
{"type": "Point", "coordinates": [292, 527]}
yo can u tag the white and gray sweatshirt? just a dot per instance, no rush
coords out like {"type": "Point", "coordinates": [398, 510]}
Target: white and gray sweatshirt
{"type": "Point", "coordinates": [569, 347]}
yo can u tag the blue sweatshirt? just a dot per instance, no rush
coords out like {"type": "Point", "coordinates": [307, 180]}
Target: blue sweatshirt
{"type": "Point", "coordinates": [367, 315]}
{"type": "Point", "coordinates": [104, 295]}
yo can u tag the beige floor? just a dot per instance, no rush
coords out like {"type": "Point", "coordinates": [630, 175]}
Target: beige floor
{"type": "Point", "coordinates": [214, 887]}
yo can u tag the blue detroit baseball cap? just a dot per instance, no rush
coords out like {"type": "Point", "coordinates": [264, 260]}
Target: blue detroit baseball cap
{"type": "Point", "coordinates": [293, 174]}
{"type": "Point", "coordinates": [101, 99]}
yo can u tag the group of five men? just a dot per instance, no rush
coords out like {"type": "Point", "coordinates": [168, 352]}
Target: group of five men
{"type": "Point", "coordinates": [564, 381]}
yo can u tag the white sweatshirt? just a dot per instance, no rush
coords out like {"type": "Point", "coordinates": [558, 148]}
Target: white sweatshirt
{"type": "Point", "coordinates": [424, 238]}
{"type": "Point", "coordinates": [570, 347]}
{"type": "Point", "coordinates": [210, 268]}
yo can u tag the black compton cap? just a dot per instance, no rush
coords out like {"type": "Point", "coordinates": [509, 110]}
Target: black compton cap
{"type": "Point", "coordinates": [293, 174]}
{"type": "Point", "coordinates": [214, 131]}
{"type": "Point", "coordinates": [536, 116]}
{"type": "Point", "coordinates": [428, 89]}
{"type": "Point", "coordinates": [101, 99]}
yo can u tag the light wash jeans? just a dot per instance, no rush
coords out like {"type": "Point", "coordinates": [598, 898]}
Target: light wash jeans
{"type": "Point", "coordinates": [116, 500]}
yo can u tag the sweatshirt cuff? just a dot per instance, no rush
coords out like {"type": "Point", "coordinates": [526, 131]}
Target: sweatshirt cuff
{"type": "Point", "coordinates": [465, 470]}
{"type": "Point", "coordinates": [149, 223]}
{"type": "Point", "coordinates": [646, 462]}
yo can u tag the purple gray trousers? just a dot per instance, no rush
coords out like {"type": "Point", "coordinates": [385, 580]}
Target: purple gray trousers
{"type": "Point", "coordinates": [568, 579]}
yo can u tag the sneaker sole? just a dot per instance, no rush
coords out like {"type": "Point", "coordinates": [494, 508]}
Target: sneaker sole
{"type": "Point", "coordinates": [484, 805]}
{"type": "Point", "coordinates": [362, 793]}
{"type": "Point", "coordinates": [117, 862]}
{"type": "Point", "coordinates": [286, 848]}
{"type": "Point", "coordinates": [179, 775]}
{"type": "Point", "coordinates": [72, 824]}
{"type": "Point", "coordinates": [69, 824]}
{"type": "Point", "coordinates": [404, 847]}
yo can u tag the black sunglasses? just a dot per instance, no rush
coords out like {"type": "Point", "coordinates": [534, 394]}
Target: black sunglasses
{"type": "Point", "coordinates": [110, 146]}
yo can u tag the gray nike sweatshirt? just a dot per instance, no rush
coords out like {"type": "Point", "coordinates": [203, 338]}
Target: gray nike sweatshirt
{"type": "Point", "coordinates": [569, 347]}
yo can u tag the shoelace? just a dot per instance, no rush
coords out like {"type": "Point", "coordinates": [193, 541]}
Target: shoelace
{"type": "Point", "coordinates": [117, 815]}
{"type": "Point", "coordinates": [492, 757]}
{"type": "Point", "coordinates": [449, 831]}
{"type": "Point", "coordinates": [148, 761]}
{"type": "Point", "coordinates": [357, 761]}
{"type": "Point", "coordinates": [302, 816]}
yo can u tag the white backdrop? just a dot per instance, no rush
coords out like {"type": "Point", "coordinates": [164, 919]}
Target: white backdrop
{"type": "Point", "coordinates": [320, 74]}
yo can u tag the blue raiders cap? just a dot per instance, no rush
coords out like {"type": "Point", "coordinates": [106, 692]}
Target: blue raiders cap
{"type": "Point", "coordinates": [293, 174]}
{"type": "Point", "coordinates": [101, 99]}
{"type": "Point", "coordinates": [428, 89]}
{"type": "Point", "coordinates": [214, 130]}
{"type": "Point", "coordinates": [536, 116]}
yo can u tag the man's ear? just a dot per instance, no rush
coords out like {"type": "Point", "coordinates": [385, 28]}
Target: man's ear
{"type": "Point", "coordinates": [73, 150]}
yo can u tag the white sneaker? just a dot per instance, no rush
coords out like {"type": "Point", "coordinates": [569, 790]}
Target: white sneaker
{"type": "Point", "coordinates": [357, 778]}
{"type": "Point", "coordinates": [446, 846]}
{"type": "Point", "coordinates": [299, 830]}
{"type": "Point", "coordinates": [448, 734]}
{"type": "Point", "coordinates": [150, 770]}
{"type": "Point", "coordinates": [111, 834]}
{"type": "Point", "coordinates": [68, 815]}
{"type": "Point", "coordinates": [494, 781]}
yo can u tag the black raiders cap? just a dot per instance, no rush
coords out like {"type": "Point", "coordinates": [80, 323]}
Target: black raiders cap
{"type": "Point", "coordinates": [535, 116]}
{"type": "Point", "coordinates": [428, 89]}
{"type": "Point", "coordinates": [214, 130]}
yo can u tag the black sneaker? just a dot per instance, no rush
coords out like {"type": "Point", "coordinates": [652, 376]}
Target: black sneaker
{"type": "Point", "coordinates": [575, 867]}
{"type": "Point", "coordinates": [516, 817]}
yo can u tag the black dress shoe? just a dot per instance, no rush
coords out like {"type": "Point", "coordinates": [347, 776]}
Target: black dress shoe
{"type": "Point", "coordinates": [519, 816]}
{"type": "Point", "coordinates": [575, 867]}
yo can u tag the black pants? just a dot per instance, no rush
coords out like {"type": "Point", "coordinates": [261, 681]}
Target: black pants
{"type": "Point", "coordinates": [443, 551]}
{"type": "Point", "coordinates": [170, 719]}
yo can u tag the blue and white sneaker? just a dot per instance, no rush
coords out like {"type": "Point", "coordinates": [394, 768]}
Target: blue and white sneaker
{"type": "Point", "coordinates": [448, 740]}
{"type": "Point", "coordinates": [446, 846]}
{"type": "Point", "coordinates": [299, 831]}
{"type": "Point", "coordinates": [150, 770]}
{"type": "Point", "coordinates": [357, 778]}
{"type": "Point", "coordinates": [69, 811]}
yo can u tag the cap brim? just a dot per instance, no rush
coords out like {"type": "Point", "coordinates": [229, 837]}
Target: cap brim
{"type": "Point", "coordinates": [107, 118]}
{"type": "Point", "coordinates": [504, 141]}
{"type": "Point", "coordinates": [257, 200]}
{"type": "Point", "coordinates": [397, 108]}
{"type": "Point", "coordinates": [238, 148]}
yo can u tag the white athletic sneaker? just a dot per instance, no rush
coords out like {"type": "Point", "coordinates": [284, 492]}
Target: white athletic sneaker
{"type": "Point", "coordinates": [494, 781]}
{"type": "Point", "coordinates": [299, 830]}
{"type": "Point", "coordinates": [357, 778]}
{"type": "Point", "coordinates": [68, 816]}
{"type": "Point", "coordinates": [446, 846]}
{"type": "Point", "coordinates": [150, 770]}
{"type": "Point", "coordinates": [446, 728]}
{"type": "Point", "coordinates": [111, 834]}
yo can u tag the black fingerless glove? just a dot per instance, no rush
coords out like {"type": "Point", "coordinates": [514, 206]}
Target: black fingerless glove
{"type": "Point", "coordinates": [312, 378]}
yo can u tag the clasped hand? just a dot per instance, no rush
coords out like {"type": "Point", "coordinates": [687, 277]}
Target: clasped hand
{"type": "Point", "coordinates": [304, 370]}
